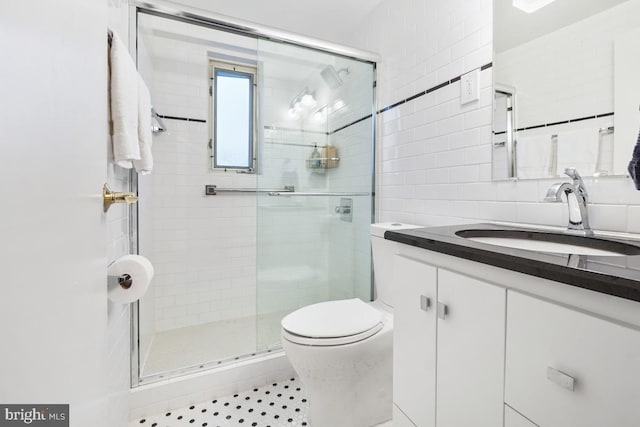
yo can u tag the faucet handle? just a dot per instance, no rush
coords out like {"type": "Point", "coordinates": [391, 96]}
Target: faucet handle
{"type": "Point", "coordinates": [578, 183]}
{"type": "Point", "coordinates": [573, 174]}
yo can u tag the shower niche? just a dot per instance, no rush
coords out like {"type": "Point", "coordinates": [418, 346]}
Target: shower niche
{"type": "Point", "coordinates": [230, 266]}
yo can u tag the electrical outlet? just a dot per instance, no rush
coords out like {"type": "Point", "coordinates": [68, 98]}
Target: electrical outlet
{"type": "Point", "coordinates": [470, 87]}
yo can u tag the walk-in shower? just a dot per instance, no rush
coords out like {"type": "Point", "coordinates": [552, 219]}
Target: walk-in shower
{"type": "Point", "coordinates": [236, 246]}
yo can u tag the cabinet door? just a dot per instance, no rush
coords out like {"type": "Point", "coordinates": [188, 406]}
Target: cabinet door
{"type": "Point", "coordinates": [471, 337]}
{"type": "Point", "coordinates": [569, 368]}
{"type": "Point", "coordinates": [414, 340]}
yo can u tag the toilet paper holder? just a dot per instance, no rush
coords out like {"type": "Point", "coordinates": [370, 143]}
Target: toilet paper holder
{"type": "Point", "coordinates": [124, 280]}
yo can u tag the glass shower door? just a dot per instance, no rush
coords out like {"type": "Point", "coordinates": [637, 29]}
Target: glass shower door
{"type": "Point", "coordinates": [316, 140]}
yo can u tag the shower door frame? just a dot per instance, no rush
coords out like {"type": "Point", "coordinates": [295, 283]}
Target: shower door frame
{"type": "Point", "coordinates": [249, 29]}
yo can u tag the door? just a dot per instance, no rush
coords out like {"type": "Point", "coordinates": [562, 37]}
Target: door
{"type": "Point", "coordinates": [471, 340]}
{"type": "Point", "coordinates": [313, 243]}
{"type": "Point", "coordinates": [414, 340]}
{"type": "Point", "coordinates": [53, 162]}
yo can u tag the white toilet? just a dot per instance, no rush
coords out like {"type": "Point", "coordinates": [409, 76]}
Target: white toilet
{"type": "Point", "coordinates": [343, 350]}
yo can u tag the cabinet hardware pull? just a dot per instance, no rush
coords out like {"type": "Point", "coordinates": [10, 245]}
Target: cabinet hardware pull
{"type": "Point", "coordinates": [425, 303]}
{"type": "Point", "coordinates": [443, 310]}
{"type": "Point", "coordinates": [560, 378]}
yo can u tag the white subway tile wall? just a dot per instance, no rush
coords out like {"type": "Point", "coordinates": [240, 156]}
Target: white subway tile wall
{"type": "Point", "coordinates": [434, 155]}
{"type": "Point", "coordinates": [291, 250]}
{"type": "Point", "coordinates": [202, 247]}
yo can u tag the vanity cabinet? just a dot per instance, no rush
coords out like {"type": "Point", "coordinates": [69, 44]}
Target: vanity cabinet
{"type": "Point", "coordinates": [448, 343]}
{"type": "Point", "coordinates": [567, 368]}
{"type": "Point", "coordinates": [513, 338]}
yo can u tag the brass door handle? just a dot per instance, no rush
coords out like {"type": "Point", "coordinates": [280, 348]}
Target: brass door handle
{"type": "Point", "coordinates": [110, 197]}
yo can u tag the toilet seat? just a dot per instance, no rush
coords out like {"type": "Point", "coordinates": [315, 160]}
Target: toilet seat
{"type": "Point", "coordinates": [332, 323]}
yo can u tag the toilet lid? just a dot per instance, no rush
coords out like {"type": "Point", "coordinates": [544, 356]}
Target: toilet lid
{"type": "Point", "coordinates": [333, 319]}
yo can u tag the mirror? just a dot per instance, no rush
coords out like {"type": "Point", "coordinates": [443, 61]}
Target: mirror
{"type": "Point", "coordinates": [566, 88]}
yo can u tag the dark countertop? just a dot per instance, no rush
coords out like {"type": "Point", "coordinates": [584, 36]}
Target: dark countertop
{"type": "Point", "coordinates": [612, 275]}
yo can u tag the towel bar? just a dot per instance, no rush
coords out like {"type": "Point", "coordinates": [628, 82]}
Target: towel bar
{"type": "Point", "coordinates": [160, 127]}
{"type": "Point", "coordinates": [310, 194]}
{"type": "Point", "coordinates": [212, 190]}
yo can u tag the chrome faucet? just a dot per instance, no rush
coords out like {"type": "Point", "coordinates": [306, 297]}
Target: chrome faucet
{"type": "Point", "coordinates": [577, 198]}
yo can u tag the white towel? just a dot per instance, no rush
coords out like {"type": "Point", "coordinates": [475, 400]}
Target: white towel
{"type": "Point", "coordinates": [578, 149]}
{"type": "Point", "coordinates": [123, 89]}
{"type": "Point", "coordinates": [145, 138]}
{"type": "Point", "coordinates": [533, 154]}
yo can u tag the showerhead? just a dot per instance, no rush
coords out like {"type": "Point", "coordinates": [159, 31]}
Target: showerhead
{"type": "Point", "coordinates": [332, 77]}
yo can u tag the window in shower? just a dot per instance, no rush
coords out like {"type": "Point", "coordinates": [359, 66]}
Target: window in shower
{"type": "Point", "coordinates": [232, 117]}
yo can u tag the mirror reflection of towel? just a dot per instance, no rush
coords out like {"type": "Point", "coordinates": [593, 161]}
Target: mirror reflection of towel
{"type": "Point", "coordinates": [578, 149]}
{"type": "Point", "coordinates": [634, 164]}
{"type": "Point", "coordinates": [533, 156]}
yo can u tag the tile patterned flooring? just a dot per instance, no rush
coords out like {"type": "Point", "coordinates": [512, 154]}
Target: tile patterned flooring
{"type": "Point", "coordinates": [280, 404]}
{"type": "Point", "coordinates": [274, 405]}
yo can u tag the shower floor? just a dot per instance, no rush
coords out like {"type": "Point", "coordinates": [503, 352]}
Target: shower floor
{"type": "Point", "coordinates": [212, 342]}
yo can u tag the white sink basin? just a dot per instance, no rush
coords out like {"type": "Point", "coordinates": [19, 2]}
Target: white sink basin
{"type": "Point", "coordinates": [540, 246]}
{"type": "Point", "coordinates": [549, 242]}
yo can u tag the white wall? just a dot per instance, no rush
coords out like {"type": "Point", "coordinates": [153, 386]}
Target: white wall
{"type": "Point", "coordinates": [567, 74]}
{"type": "Point", "coordinates": [59, 333]}
{"type": "Point", "coordinates": [435, 156]}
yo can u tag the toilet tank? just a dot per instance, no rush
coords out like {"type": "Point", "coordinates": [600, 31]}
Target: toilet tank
{"type": "Point", "coordinates": [383, 252]}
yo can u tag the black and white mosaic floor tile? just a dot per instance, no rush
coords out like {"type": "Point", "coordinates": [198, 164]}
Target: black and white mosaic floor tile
{"type": "Point", "coordinates": [280, 404]}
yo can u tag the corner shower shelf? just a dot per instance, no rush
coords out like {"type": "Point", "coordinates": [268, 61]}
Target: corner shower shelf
{"type": "Point", "coordinates": [321, 163]}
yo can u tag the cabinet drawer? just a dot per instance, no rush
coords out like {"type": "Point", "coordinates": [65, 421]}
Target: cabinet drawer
{"type": "Point", "coordinates": [514, 419]}
{"type": "Point", "coordinates": [568, 368]}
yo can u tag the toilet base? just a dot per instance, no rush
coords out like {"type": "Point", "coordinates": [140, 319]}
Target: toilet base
{"type": "Point", "coordinates": [348, 385]}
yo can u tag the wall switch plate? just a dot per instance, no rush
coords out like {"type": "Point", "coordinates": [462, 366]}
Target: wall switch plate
{"type": "Point", "coordinates": [470, 87]}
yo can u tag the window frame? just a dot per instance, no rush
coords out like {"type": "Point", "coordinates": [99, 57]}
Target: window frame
{"type": "Point", "coordinates": [239, 69]}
